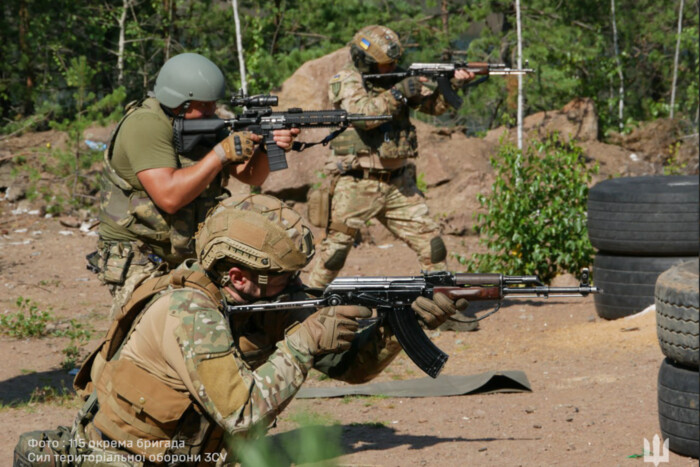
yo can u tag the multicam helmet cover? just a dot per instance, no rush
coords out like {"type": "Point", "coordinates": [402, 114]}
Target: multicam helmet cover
{"type": "Point", "coordinates": [378, 44]}
{"type": "Point", "coordinates": [257, 232]}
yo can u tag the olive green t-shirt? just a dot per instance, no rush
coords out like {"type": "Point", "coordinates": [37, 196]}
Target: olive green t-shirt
{"type": "Point", "coordinates": [144, 141]}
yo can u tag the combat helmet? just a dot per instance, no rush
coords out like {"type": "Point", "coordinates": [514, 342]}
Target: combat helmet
{"type": "Point", "coordinates": [256, 232]}
{"type": "Point", "coordinates": [374, 45]}
{"type": "Point", "coordinates": [189, 77]}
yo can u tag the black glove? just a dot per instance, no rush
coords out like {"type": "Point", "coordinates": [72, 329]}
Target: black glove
{"type": "Point", "coordinates": [409, 87]}
{"type": "Point", "coordinates": [436, 311]}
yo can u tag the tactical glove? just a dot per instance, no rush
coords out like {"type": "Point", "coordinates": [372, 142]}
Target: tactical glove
{"type": "Point", "coordinates": [329, 330]}
{"type": "Point", "coordinates": [408, 88]}
{"type": "Point", "coordinates": [436, 311]}
{"type": "Point", "coordinates": [236, 148]}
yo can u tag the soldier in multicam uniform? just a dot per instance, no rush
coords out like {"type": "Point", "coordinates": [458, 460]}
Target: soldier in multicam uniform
{"type": "Point", "coordinates": [369, 166]}
{"type": "Point", "coordinates": [153, 198]}
{"type": "Point", "coordinates": [174, 374]}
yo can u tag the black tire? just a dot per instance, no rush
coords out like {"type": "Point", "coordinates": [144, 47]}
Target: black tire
{"type": "Point", "coordinates": [676, 296]}
{"type": "Point", "coordinates": [628, 282]}
{"type": "Point", "coordinates": [678, 398]}
{"type": "Point", "coordinates": [649, 216]}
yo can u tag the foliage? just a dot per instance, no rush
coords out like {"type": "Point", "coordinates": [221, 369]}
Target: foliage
{"type": "Point", "coordinates": [31, 321]}
{"type": "Point", "coordinates": [569, 44]}
{"type": "Point", "coordinates": [317, 441]}
{"type": "Point", "coordinates": [28, 321]}
{"type": "Point", "coordinates": [535, 220]}
{"type": "Point", "coordinates": [48, 394]}
{"type": "Point", "coordinates": [62, 177]}
{"type": "Point", "coordinates": [79, 335]}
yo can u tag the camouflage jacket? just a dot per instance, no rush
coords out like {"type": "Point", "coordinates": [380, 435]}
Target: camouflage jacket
{"type": "Point", "coordinates": [184, 365]}
{"type": "Point", "coordinates": [395, 139]}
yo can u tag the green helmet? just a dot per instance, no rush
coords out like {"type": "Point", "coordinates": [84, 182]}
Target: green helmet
{"type": "Point", "coordinates": [257, 232]}
{"type": "Point", "coordinates": [189, 77]}
{"type": "Point", "coordinates": [374, 45]}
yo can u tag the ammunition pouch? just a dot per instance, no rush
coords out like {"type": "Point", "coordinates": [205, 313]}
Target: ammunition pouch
{"type": "Point", "coordinates": [134, 405]}
{"type": "Point", "coordinates": [44, 448]}
{"type": "Point", "coordinates": [391, 140]}
{"type": "Point", "coordinates": [318, 209]}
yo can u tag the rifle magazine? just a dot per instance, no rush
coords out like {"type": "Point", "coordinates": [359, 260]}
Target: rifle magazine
{"type": "Point", "coordinates": [419, 348]}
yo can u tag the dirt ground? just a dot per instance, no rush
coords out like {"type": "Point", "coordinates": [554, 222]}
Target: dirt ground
{"type": "Point", "coordinates": [593, 399]}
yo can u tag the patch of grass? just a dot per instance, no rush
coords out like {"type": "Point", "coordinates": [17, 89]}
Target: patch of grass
{"type": "Point", "coordinates": [51, 395]}
{"type": "Point", "coordinates": [31, 321]}
{"type": "Point", "coordinates": [307, 418]}
{"type": "Point", "coordinates": [28, 321]}
{"type": "Point", "coordinates": [368, 401]}
{"type": "Point", "coordinates": [79, 335]}
{"type": "Point", "coordinates": [52, 283]}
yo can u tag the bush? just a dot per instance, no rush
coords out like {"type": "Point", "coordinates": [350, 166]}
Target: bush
{"type": "Point", "coordinates": [536, 214]}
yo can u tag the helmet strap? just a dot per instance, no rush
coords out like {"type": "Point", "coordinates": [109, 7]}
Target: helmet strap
{"type": "Point", "coordinates": [262, 283]}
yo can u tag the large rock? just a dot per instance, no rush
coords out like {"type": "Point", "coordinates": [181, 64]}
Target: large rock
{"type": "Point", "coordinates": [577, 120]}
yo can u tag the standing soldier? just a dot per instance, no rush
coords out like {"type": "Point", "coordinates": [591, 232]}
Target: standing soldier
{"type": "Point", "coordinates": [176, 374]}
{"type": "Point", "coordinates": [153, 198]}
{"type": "Point", "coordinates": [372, 176]}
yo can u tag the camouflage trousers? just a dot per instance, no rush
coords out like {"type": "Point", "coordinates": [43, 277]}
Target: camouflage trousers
{"type": "Point", "coordinates": [398, 204]}
{"type": "Point", "coordinates": [122, 268]}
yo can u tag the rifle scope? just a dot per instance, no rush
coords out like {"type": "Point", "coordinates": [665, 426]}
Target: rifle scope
{"type": "Point", "coordinates": [260, 100]}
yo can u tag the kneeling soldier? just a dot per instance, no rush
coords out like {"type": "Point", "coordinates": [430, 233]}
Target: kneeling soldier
{"type": "Point", "coordinates": [174, 374]}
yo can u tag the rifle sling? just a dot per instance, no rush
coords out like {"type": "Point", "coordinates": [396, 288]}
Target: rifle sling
{"type": "Point", "coordinates": [301, 145]}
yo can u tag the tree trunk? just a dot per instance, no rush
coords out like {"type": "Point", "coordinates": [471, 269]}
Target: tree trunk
{"type": "Point", "coordinates": [25, 49]}
{"type": "Point", "coordinates": [520, 76]}
{"type": "Point", "coordinates": [120, 51]}
{"type": "Point", "coordinates": [239, 46]}
{"type": "Point", "coordinates": [444, 15]}
{"type": "Point", "coordinates": [675, 59]}
{"type": "Point", "coordinates": [619, 69]}
{"type": "Point", "coordinates": [169, 8]}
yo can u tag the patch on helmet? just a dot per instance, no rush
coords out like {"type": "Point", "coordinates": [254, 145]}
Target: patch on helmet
{"type": "Point", "coordinates": [364, 43]}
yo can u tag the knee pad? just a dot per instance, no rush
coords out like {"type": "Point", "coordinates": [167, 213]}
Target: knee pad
{"type": "Point", "coordinates": [336, 261]}
{"type": "Point", "coordinates": [438, 251]}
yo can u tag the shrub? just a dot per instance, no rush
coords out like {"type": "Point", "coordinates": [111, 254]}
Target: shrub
{"type": "Point", "coordinates": [535, 220]}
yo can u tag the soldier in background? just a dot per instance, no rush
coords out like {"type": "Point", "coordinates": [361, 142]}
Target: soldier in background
{"type": "Point", "coordinates": [175, 373]}
{"type": "Point", "coordinates": [370, 166]}
{"type": "Point", "coordinates": [153, 198]}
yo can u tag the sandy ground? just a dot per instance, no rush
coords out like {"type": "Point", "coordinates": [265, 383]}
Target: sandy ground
{"type": "Point", "coordinates": [594, 382]}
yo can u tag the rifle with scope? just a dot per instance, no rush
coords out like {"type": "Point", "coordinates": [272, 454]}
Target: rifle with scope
{"type": "Point", "coordinates": [258, 117]}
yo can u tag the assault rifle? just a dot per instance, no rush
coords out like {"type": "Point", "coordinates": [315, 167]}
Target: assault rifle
{"type": "Point", "coordinates": [259, 118]}
{"type": "Point", "coordinates": [444, 72]}
{"type": "Point", "coordinates": [392, 298]}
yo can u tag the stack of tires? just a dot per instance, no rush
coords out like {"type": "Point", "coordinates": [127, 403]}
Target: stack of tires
{"type": "Point", "coordinates": [641, 226]}
{"type": "Point", "coordinates": [677, 299]}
